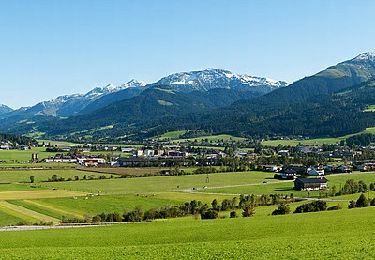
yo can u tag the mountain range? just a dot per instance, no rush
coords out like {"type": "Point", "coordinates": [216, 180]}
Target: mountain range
{"type": "Point", "coordinates": [4, 109]}
{"type": "Point", "coordinates": [330, 103]}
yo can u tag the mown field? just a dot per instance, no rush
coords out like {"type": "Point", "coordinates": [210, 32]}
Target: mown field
{"type": "Point", "coordinates": [89, 197]}
{"type": "Point", "coordinates": [345, 234]}
{"type": "Point", "coordinates": [20, 156]}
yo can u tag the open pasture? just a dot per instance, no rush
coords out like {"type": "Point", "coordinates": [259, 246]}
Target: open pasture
{"type": "Point", "coordinates": [286, 187]}
{"type": "Point", "coordinates": [315, 141]}
{"type": "Point", "coordinates": [23, 176]}
{"type": "Point", "coordinates": [282, 237]}
{"type": "Point", "coordinates": [163, 183]}
{"type": "Point", "coordinates": [18, 156]}
{"type": "Point", "coordinates": [141, 171]}
{"type": "Point", "coordinates": [37, 194]}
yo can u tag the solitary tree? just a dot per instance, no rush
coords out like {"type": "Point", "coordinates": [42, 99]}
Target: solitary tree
{"type": "Point", "coordinates": [32, 179]}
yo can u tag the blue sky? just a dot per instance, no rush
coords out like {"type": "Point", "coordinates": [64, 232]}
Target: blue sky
{"type": "Point", "coordinates": [55, 47]}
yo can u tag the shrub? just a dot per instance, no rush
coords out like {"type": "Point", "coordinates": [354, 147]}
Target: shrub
{"type": "Point", "coordinates": [336, 207]}
{"type": "Point", "coordinates": [210, 214]}
{"type": "Point", "coordinates": [282, 209]}
{"type": "Point", "coordinates": [362, 201]}
{"type": "Point", "coordinates": [314, 206]}
{"type": "Point", "coordinates": [233, 214]}
{"type": "Point", "coordinates": [135, 215]}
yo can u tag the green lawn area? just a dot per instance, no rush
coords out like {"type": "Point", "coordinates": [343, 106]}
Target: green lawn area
{"type": "Point", "coordinates": [286, 187]}
{"type": "Point", "coordinates": [162, 183]}
{"type": "Point", "coordinates": [343, 234]}
{"type": "Point", "coordinates": [316, 141]}
{"type": "Point", "coordinates": [212, 138]}
{"type": "Point", "coordinates": [57, 143]}
{"type": "Point", "coordinates": [23, 176]}
{"type": "Point", "coordinates": [15, 156]}
{"type": "Point", "coordinates": [172, 135]}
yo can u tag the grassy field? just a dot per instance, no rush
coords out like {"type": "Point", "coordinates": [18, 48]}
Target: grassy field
{"type": "Point", "coordinates": [316, 141]}
{"type": "Point", "coordinates": [23, 176]}
{"type": "Point", "coordinates": [211, 138]}
{"type": "Point", "coordinates": [16, 156]}
{"type": "Point", "coordinates": [172, 135]}
{"type": "Point", "coordinates": [301, 236]}
{"type": "Point", "coordinates": [141, 171]}
{"type": "Point", "coordinates": [163, 183]}
{"type": "Point", "coordinates": [286, 187]}
{"type": "Point", "coordinates": [68, 198]}
{"type": "Point", "coordinates": [57, 143]}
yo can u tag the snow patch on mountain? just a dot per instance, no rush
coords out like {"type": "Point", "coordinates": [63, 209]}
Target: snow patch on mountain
{"type": "Point", "coordinates": [365, 56]}
{"type": "Point", "coordinates": [217, 78]}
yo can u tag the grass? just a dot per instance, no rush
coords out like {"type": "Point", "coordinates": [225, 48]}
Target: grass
{"type": "Point", "coordinates": [37, 194]}
{"type": "Point", "coordinates": [286, 187]}
{"type": "Point", "coordinates": [8, 219]}
{"type": "Point", "coordinates": [141, 171]}
{"type": "Point", "coordinates": [12, 166]}
{"type": "Point", "coordinates": [212, 138]}
{"type": "Point", "coordinates": [172, 135]}
{"type": "Point", "coordinates": [283, 237]}
{"type": "Point", "coordinates": [26, 213]}
{"type": "Point", "coordinates": [57, 143]}
{"type": "Point", "coordinates": [47, 209]}
{"type": "Point", "coordinates": [370, 108]}
{"type": "Point", "coordinates": [42, 175]}
{"type": "Point", "coordinates": [16, 156]}
{"type": "Point", "coordinates": [316, 141]}
{"type": "Point", "coordinates": [162, 183]}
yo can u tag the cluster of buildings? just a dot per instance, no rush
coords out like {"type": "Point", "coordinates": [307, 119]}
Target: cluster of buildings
{"type": "Point", "coordinates": [6, 145]}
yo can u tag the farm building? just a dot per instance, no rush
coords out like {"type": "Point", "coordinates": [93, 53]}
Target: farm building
{"type": "Point", "coordinates": [288, 174]}
{"type": "Point", "coordinates": [313, 171]}
{"type": "Point", "coordinates": [310, 183]}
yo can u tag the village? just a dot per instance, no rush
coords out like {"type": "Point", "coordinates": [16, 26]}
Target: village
{"type": "Point", "coordinates": [306, 165]}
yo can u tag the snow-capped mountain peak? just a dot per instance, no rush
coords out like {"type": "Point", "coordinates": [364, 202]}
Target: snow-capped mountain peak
{"type": "Point", "coordinates": [132, 84]}
{"type": "Point", "coordinates": [217, 78]}
{"type": "Point", "coordinates": [365, 56]}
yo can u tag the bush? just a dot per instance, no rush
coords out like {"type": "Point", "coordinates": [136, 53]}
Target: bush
{"type": "Point", "coordinates": [134, 216]}
{"type": "Point", "coordinates": [362, 201]}
{"type": "Point", "coordinates": [372, 202]}
{"type": "Point", "coordinates": [282, 209]}
{"type": "Point", "coordinates": [210, 214]}
{"type": "Point", "coordinates": [337, 207]}
{"type": "Point", "coordinates": [233, 214]}
{"type": "Point", "coordinates": [314, 206]}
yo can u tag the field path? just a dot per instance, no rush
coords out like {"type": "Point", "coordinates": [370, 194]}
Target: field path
{"type": "Point", "coordinates": [25, 213]}
{"type": "Point", "coordinates": [55, 209]}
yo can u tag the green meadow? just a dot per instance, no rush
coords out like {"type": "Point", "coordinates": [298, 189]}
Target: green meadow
{"type": "Point", "coordinates": [294, 236]}
{"type": "Point", "coordinates": [316, 141]}
{"type": "Point", "coordinates": [19, 156]}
